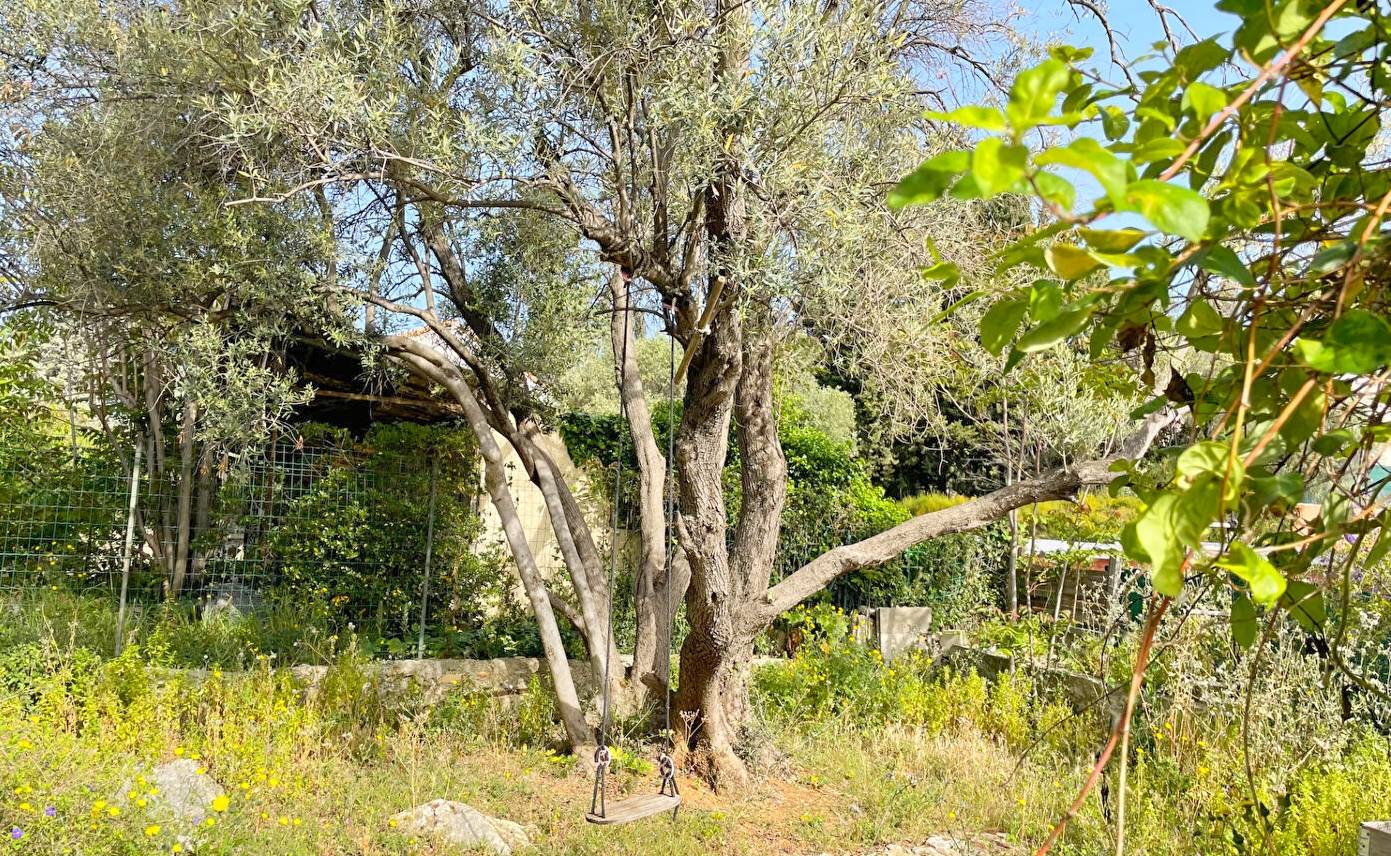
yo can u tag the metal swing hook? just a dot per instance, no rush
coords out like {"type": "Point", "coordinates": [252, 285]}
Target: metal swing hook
{"type": "Point", "coordinates": [667, 769]}
{"type": "Point", "coordinates": [602, 759]}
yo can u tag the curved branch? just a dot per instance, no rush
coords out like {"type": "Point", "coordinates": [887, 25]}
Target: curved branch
{"type": "Point", "coordinates": [1061, 483]}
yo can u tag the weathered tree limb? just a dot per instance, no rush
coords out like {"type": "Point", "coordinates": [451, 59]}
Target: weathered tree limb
{"type": "Point", "coordinates": [763, 474]}
{"type": "Point", "coordinates": [651, 654]}
{"type": "Point", "coordinates": [426, 361]}
{"type": "Point", "coordinates": [1061, 483]}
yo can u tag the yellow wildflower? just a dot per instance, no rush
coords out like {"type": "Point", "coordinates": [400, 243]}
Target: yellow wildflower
{"type": "Point", "coordinates": [220, 802]}
{"type": "Point", "coordinates": [152, 830]}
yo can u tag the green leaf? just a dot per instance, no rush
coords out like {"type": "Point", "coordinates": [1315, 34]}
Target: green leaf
{"type": "Point", "coordinates": [945, 272]}
{"type": "Point", "coordinates": [1069, 261]}
{"type": "Point", "coordinates": [1171, 524]}
{"type": "Point", "coordinates": [1266, 583]}
{"type": "Point", "coordinates": [1334, 441]}
{"type": "Point", "coordinates": [1221, 260]}
{"type": "Point", "coordinates": [1305, 603]}
{"type": "Point", "coordinates": [1243, 620]}
{"type": "Point", "coordinates": [1381, 547]}
{"type": "Point", "coordinates": [1283, 487]}
{"type": "Point", "coordinates": [1213, 460]}
{"type": "Point", "coordinates": [1151, 539]}
{"type": "Point", "coordinates": [1357, 343]}
{"type": "Point", "coordinates": [1090, 156]}
{"type": "Point", "coordinates": [1306, 420]}
{"type": "Point", "coordinates": [966, 188]}
{"type": "Point", "coordinates": [973, 116]}
{"type": "Point", "coordinates": [1197, 59]}
{"type": "Point", "coordinates": [1332, 258]}
{"type": "Point", "coordinates": [1206, 456]}
{"type": "Point", "coordinates": [1161, 148]}
{"type": "Point", "coordinates": [1045, 299]}
{"type": "Point", "coordinates": [1173, 209]}
{"type": "Point", "coordinates": [1114, 122]}
{"type": "Point", "coordinates": [1034, 93]}
{"type": "Point", "coordinates": [1196, 508]}
{"type": "Point", "coordinates": [930, 180]}
{"type": "Point", "coordinates": [1112, 240]}
{"type": "Point", "coordinates": [1203, 100]}
{"type": "Point", "coordinates": [1056, 190]}
{"type": "Point", "coordinates": [1000, 323]}
{"type": "Point", "coordinates": [1154, 405]}
{"type": "Point", "coordinates": [1199, 320]}
{"type": "Point", "coordinates": [1292, 17]}
{"type": "Point", "coordinates": [1053, 331]}
{"type": "Point", "coordinates": [997, 166]}
{"type": "Point", "coordinates": [1068, 53]}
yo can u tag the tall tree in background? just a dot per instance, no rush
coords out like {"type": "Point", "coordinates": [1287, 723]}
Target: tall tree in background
{"type": "Point", "coordinates": [164, 306]}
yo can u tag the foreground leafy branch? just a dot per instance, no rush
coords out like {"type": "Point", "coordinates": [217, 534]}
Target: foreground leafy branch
{"type": "Point", "coordinates": [1239, 248]}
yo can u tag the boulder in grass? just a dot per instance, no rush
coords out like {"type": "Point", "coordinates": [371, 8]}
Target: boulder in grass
{"type": "Point", "coordinates": [462, 824]}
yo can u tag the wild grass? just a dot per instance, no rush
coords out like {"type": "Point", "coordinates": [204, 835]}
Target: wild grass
{"type": "Point", "coordinates": [849, 754]}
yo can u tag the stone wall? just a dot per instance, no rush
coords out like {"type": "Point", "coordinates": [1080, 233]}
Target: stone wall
{"type": "Point", "coordinates": [503, 676]}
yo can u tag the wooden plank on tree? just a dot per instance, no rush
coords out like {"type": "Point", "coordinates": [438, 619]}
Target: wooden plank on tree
{"type": "Point", "coordinates": [635, 808]}
{"type": "Point", "coordinates": [1375, 839]}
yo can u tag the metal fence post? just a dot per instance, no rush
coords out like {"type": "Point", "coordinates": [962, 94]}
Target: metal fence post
{"type": "Point", "coordinates": [429, 548]}
{"type": "Point", "coordinates": [126, 551]}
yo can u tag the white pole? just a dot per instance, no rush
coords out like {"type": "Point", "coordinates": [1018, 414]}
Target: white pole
{"type": "Point", "coordinates": [429, 546]}
{"type": "Point", "coordinates": [130, 543]}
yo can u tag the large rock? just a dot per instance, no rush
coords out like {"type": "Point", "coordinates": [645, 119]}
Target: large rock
{"type": "Point", "coordinates": [179, 790]}
{"type": "Point", "coordinates": [231, 600]}
{"type": "Point", "coordinates": [462, 824]}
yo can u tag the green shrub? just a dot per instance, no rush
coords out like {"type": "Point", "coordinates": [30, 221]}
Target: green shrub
{"type": "Point", "coordinates": [1327, 804]}
{"type": "Point", "coordinates": [1094, 517]}
{"type": "Point", "coordinates": [834, 678]}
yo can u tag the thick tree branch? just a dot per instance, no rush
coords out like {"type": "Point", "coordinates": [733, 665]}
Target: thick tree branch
{"type": "Point", "coordinates": [763, 470]}
{"type": "Point", "coordinates": [1061, 483]}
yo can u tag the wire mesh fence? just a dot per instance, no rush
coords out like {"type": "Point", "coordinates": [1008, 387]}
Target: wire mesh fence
{"type": "Point", "coordinates": [347, 533]}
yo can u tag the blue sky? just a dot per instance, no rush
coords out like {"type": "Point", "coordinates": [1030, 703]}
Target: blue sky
{"type": "Point", "coordinates": [1134, 21]}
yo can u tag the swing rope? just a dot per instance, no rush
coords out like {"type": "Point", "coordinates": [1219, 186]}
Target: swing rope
{"type": "Point", "coordinates": [602, 756]}
{"type": "Point", "coordinates": [664, 760]}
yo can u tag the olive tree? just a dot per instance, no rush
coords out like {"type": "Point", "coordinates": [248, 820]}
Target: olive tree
{"type": "Point", "coordinates": [514, 179]}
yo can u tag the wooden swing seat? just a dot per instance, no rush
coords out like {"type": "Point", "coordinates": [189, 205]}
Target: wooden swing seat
{"type": "Point", "coordinates": [635, 808]}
